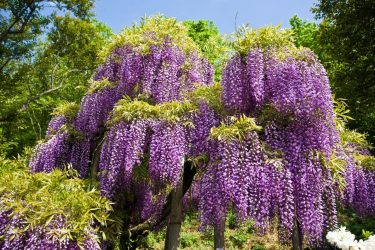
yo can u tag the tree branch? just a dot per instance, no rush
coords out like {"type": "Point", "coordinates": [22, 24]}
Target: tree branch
{"type": "Point", "coordinates": [5, 64]}
{"type": "Point", "coordinates": [36, 97]}
{"type": "Point", "coordinates": [4, 35]}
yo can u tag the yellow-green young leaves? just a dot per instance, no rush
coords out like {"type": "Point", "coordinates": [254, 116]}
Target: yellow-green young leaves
{"type": "Point", "coordinates": [141, 108]}
{"type": "Point", "coordinates": [236, 129]}
{"type": "Point", "coordinates": [67, 109]}
{"type": "Point", "coordinates": [152, 31]}
{"type": "Point", "coordinates": [245, 38]}
{"type": "Point", "coordinates": [211, 94]}
{"type": "Point", "coordinates": [129, 110]}
{"type": "Point", "coordinates": [41, 197]}
{"type": "Point", "coordinates": [366, 161]}
{"type": "Point", "coordinates": [100, 85]}
{"type": "Point", "coordinates": [278, 41]}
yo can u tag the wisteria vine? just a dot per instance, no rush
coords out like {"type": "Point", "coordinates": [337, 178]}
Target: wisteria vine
{"type": "Point", "coordinates": [269, 135]}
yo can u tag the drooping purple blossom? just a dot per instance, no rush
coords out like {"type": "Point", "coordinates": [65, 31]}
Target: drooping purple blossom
{"type": "Point", "coordinates": [80, 156]}
{"type": "Point", "coordinates": [122, 150]}
{"type": "Point", "coordinates": [168, 148]}
{"type": "Point", "coordinates": [55, 124]}
{"type": "Point", "coordinates": [147, 203]}
{"type": "Point", "coordinates": [236, 95]}
{"type": "Point", "coordinates": [237, 175]}
{"type": "Point", "coordinates": [203, 121]}
{"type": "Point", "coordinates": [51, 154]}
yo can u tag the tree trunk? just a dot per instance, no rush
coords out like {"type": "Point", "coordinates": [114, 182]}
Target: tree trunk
{"type": "Point", "coordinates": [297, 235]}
{"type": "Point", "coordinates": [95, 155]}
{"type": "Point", "coordinates": [219, 240]}
{"type": "Point", "coordinates": [172, 240]}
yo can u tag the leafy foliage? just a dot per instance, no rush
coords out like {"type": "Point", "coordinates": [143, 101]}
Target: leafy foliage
{"type": "Point", "coordinates": [246, 38]}
{"type": "Point", "coordinates": [41, 198]}
{"type": "Point", "coordinates": [67, 109]}
{"type": "Point", "coordinates": [128, 110]}
{"type": "Point", "coordinates": [22, 21]}
{"type": "Point", "coordinates": [237, 128]}
{"type": "Point", "coordinates": [304, 33]}
{"type": "Point", "coordinates": [152, 31]}
{"type": "Point", "coordinates": [57, 72]}
{"type": "Point", "coordinates": [210, 94]}
{"type": "Point", "coordinates": [142, 109]}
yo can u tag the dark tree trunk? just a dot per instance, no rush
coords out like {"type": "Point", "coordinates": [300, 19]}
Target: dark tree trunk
{"type": "Point", "coordinates": [141, 229]}
{"type": "Point", "coordinates": [172, 239]}
{"type": "Point", "coordinates": [297, 235]}
{"type": "Point", "coordinates": [219, 240]}
{"type": "Point", "coordinates": [95, 154]}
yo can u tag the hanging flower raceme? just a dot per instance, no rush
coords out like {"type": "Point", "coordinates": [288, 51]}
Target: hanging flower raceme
{"type": "Point", "coordinates": [168, 148]}
{"type": "Point", "coordinates": [236, 174]}
{"type": "Point", "coordinates": [80, 155]}
{"type": "Point", "coordinates": [300, 124]}
{"type": "Point", "coordinates": [359, 177]}
{"type": "Point", "coordinates": [359, 192]}
{"type": "Point", "coordinates": [148, 204]}
{"type": "Point", "coordinates": [122, 150]}
{"type": "Point", "coordinates": [51, 154]}
{"type": "Point", "coordinates": [203, 120]}
{"type": "Point", "coordinates": [55, 124]}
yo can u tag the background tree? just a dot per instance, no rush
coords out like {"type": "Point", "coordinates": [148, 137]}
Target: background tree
{"type": "Point", "coordinates": [51, 70]}
{"type": "Point", "coordinates": [305, 34]}
{"type": "Point", "coordinates": [22, 21]}
{"type": "Point", "coordinates": [212, 44]}
{"type": "Point", "coordinates": [347, 38]}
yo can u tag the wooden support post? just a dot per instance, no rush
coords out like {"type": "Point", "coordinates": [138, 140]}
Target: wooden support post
{"type": "Point", "coordinates": [172, 240]}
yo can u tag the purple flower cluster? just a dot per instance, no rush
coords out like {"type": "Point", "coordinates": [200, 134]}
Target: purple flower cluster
{"type": "Point", "coordinates": [124, 69]}
{"type": "Point", "coordinates": [60, 150]}
{"type": "Point", "coordinates": [165, 77]}
{"type": "Point", "coordinates": [237, 175]}
{"type": "Point", "coordinates": [122, 149]}
{"type": "Point", "coordinates": [55, 124]}
{"type": "Point", "coordinates": [301, 126]}
{"type": "Point", "coordinates": [168, 149]}
{"type": "Point", "coordinates": [203, 121]}
{"type": "Point", "coordinates": [80, 156]}
{"type": "Point", "coordinates": [359, 193]}
{"type": "Point", "coordinates": [243, 82]}
{"type": "Point", "coordinates": [51, 154]}
{"type": "Point", "coordinates": [235, 86]}
{"type": "Point", "coordinates": [147, 203]}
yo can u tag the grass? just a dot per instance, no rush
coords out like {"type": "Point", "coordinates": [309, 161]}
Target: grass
{"type": "Point", "coordinates": [236, 237]}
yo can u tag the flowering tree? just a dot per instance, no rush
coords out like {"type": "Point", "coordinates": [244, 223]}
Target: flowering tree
{"type": "Point", "coordinates": [154, 124]}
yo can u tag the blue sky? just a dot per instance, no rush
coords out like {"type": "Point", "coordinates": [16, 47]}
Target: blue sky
{"type": "Point", "coordinates": [120, 13]}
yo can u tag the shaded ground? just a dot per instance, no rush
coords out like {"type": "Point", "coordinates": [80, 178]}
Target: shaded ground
{"type": "Point", "coordinates": [236, 237]}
